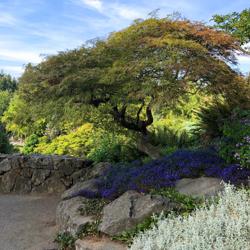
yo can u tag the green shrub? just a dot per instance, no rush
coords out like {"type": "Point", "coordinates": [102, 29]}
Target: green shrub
{"type": "Point", "coordinates": [5, 146]}
{"type": "Point", "coordinates": [113, 149]}
{"type": "Point", "coordinates": [169, 140]}
{"type": "Point", "coordinates": [30, 144]}
{"type": "Point", "coordinates": [75, 143]}
{"type": "Point", "coordinates": [211, 120]}
{"type": "Point", "coordinates": [235, 143]}
{"type": "Point", "coordinates": [93, 143]}
{"type": "Point", "coordinates": [5, 97]}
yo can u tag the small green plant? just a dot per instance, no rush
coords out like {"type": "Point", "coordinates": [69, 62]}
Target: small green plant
{"type": "Point", "coordinates": [187, 203]}
{"type": "Point", "coordinates": [93, 207]}
{"type": "Point", "coordinates": [89, 229]}
{"type": "Point", "coordinates": [65, 241]}
{"type": "Point", "coordinates": [127, 236]}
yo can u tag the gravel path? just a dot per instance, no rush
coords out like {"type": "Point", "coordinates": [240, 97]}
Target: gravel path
{"type": "Point", "coordinates": [27, 222]}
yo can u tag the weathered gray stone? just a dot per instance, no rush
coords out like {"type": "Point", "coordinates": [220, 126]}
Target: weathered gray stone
{"type": "Point", "coordinates": [130, 209]}
{"type": "Point", "coordinates": [99, 169]}
{"type": "Point", "coordinates": [8, 181]}
{"type": "Point", "coordinates": [46, 173]}
{"type": "Point", "coordinates": [89, 185]}
{"type": "Point", "coordinates": [79, 175]}
{"type": "Point", "coordinates": [41, 162]}
{"type": "Point", "coordinates": [51, 185]}
{"type": "Point", "coordinates": [3, 157]}
{"type": "Point", "coordinates": [22, 185]}
{"type": "Point", "coordinates": [27, 172]}
{"type": "Point", "coordinates": [67, 169]}
{"type": "Point", "coordinates": [68, 215]}
{"type": "Point", "coordinates": [203, 186]}
{"type": "Point", "coordinates": [5, 166]}
{"type": "Point", "coordinates": [39, 176]}
{"type": "Point", "coordinates": [98, 244]}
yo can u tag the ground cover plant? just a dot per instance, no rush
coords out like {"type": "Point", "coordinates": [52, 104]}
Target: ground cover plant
{"type": "Point", "coordinates": [164, 172]}
{"type": "Point", "coordinates": [221, 225]}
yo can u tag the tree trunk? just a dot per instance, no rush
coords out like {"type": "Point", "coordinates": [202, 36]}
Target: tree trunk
{"type": "Point", "coordinates": [147, 148]}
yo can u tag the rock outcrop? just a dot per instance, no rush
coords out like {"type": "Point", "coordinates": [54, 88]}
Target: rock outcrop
{"type": "Point", "coordinates": [130, 209]}
{"type": "Point", "coordinates": [69, 218]}
{"type": "Point", "coordinates": [98, 244]}
{"type": "Point", "coordinates": [203, 186]}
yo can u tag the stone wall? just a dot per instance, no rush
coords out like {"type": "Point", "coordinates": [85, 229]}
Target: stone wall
{"type": "Point", "coordinates": [40, 173]}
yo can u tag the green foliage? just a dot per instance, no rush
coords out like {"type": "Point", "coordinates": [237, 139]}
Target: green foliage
{"type": "Point", "coordinates": [127, 236]}
{"type": "Point", "coordinates": [93, 207]}
{"type": "Point", "coordinates": [187, 203]}
{"type": "Point", "coordinates": [211, 120]}
{"type": "Point", "coordinates": [5, 97]}
{"type": "Point", "coordinates": [33, 140]}
{"type": "Point", "coordinates": [235, 143]}
{"type": "Point", "coordinates": [5, 146]}
{"type": "Point", "coordinates": [76, 143]}
{"type": "Point", "coordinates": [142, 68]}
{"type": "Point", "coordinates": [166, 137]}
{"type": "Point", "coordinates": [18, 118]}
{"type": "Point", "coordinates": [237, 24]}
{"type": "Point", "coordinates": [7, 83]}
{"type": "Point", "coordinates": [65, 241]}
{"type": "Point", "coordinates": [113, 149]}
{"type": "Point", "coordinates": [89, 229]}
{"type": "Point", "coordinates": [91, 142]}
{"type": "Point", "coordinates": [30, 144]}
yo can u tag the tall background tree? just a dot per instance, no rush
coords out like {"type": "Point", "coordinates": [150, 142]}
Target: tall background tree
{"type": "Point", "coordinates": [8, 85]}
{"type": "Point", "coordinates": [235, 23]}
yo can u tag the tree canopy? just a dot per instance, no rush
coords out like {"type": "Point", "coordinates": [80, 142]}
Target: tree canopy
{"type": "Point", "coordinates": [237, 24]}
{"type": "Point", "coordinates": [150, 64]}
{"type": "Point", "coordinates": [7, 83]}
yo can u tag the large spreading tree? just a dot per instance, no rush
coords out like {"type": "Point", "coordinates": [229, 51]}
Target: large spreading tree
{"type": "Point", "coordinates": [148, 65]}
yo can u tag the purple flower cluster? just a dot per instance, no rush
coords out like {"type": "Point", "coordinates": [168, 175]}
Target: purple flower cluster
{"type": "Point", "coordinates": [165, 172]}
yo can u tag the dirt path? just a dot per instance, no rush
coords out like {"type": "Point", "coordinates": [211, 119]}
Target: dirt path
{"type": "Point", "coordinates": [27, 222]}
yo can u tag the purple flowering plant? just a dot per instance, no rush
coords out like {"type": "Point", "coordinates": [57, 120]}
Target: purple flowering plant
{"type": "Point", "coordinates": [164, 172]}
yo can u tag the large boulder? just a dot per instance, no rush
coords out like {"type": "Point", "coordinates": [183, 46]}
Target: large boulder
{"type": "Point", "coordinates": [203, 186]}
{"type": "Point", "coordinates": [68, 215]}
{"type": "Point", "coordinates": [98, 244]}
{"type": "Point", "coordinates": [130, 209]}
{"type": "Point", "coordinates": [79, 188]}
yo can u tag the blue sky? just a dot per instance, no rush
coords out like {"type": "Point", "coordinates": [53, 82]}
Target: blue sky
{"type": "Point", "coordinates": [30, 29]}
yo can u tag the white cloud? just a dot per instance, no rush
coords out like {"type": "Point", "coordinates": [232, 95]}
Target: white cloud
{"type": "Point", "coordinates": [7, 19]}
{"type": "Point", "coordinates": [126, 12]}
{"type": "Point", "coordinates": [17, 69]}
{"type": "Point", "coordinates": [244, 63]}
{"type": "Point", "coordinates": [20, 56]}
{"type": "Point", "coordinates": [96, 4]}
{"type": "Point", "coordinates": [244, 59]}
